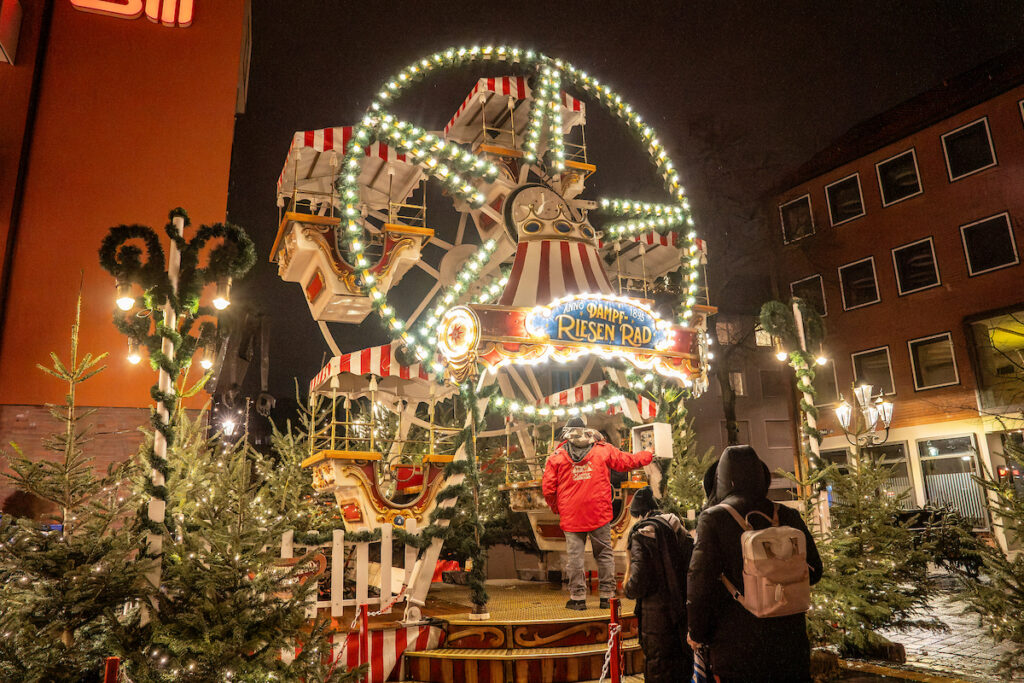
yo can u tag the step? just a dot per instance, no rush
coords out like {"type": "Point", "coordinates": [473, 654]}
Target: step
{"type": "Point", "coordinates": [531, 635]}
{"type": "Point", "coordinates": [566, 664]}
{"type": "Point", "coordinates": [627, 678]}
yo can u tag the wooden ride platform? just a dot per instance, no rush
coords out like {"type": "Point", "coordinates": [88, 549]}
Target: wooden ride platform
{"type": "Point", "coordinates": [529, 638]}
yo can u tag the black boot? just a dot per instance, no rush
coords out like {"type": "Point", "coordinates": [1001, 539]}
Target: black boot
{"type": "Point", "coordinates": [604, 604]}
{"type": "Point", "coordinates": [578, 605]}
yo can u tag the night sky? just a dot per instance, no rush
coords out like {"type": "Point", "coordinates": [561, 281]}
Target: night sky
{"type": "Point", "coordinates": [739, 93]}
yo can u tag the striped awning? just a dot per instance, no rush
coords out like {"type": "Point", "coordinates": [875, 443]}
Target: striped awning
{"type": "Point", "coordinates": [308, 168]}
{"type": "Point", "coordinates": [651, 239]}
{"type": "Point", "coordinates": [589, 392]}
{"type": "Point", "coordinates": [353, 370]}
{"type": "Point", "coordinates": [545, 270]}
{"type": "Point", "coordinates": [515, 87]}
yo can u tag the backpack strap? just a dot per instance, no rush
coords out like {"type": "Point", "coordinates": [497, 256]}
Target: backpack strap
{"type": "Point", "coordinates": [740, 519]}
{"type": "Point", "coordinates": [774, 519]}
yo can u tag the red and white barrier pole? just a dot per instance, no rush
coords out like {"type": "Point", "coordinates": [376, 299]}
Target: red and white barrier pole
{"type": "Point", "coordinates": [364, 636]}
{"type": "Point", "coordinates": [616, 664]}
{"type": "Point", "coordinates": [111, 669]}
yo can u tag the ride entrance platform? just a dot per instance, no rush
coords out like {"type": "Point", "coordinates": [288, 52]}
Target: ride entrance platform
{"type": "Point", "coordinates": [530, 637]}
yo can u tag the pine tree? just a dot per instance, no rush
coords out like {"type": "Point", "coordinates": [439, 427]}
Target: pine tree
{"type": "Point", "coordinates": [684, 484]}
{"type": "Point", "coordinates": [227, 606]}
{"type": "Point", "coordinates": [998, 595]}
{"type": "Point", "coordinates": [876, 571]}
{"type": "Point", "coordinates": [65, 580]}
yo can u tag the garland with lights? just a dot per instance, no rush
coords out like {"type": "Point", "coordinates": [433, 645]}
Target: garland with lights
{"type": "Point", "coordinates": [457, 168]}
{"type": "Point", "coordinates": [119, 256]}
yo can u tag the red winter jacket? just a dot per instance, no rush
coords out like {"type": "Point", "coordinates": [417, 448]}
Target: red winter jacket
{"type": "Point", "coordinates": [581, 493]}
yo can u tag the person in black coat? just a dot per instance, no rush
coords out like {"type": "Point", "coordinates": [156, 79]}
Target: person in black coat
{"type": "Point", "coordinates": [743, 648]}
{"type": "Point", "coordinates": [659, 552]}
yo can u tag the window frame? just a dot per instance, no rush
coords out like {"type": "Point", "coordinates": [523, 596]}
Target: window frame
{"type": "Point", "coordinates": [860, 192]}
{"type": "Point", "coordinates": [991, 147]}
{"type": "Point", "coordinates": [917, 170]}
{"type": "Point", "coordinates": [743, 390]}
{"type": "Point", "coordinates": [888, 358]}
{"type": "Point", "coordinates": [913, 365]}
{"type": "Point", "coordinates": [1013, 244]}
{"type": "Point", "coordinates": [1020, 106]}
{"type": "Point", "coordinates": [874, 275]}
{"type": "Point", "coordinates": [782, 218]}
{"type": "Point", "coordinates": [821, 283]}
{"type": "Point", "coordinates": [896, 270]}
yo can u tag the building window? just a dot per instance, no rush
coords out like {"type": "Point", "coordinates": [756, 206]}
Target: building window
{"type": "Point", "coordinates": [844, 200]}
{"type": "Point", "coordinates": [826, 387]}
{"type": "Point", "coordinates": [812, 290]}
{"type": "Point", "coordinates": [737, 383]}
{"type": "Point", "coordinates": [968, 149]}
{"type": "Point", "coordinates": [949, 466]}
{"type": "Point", "coordinates": [761, 336]}
{"type": "Point", "coordinates": [915, 266]}
{"type": "Point", "coordinates": [933, 362]}
{"type": "Point", "coordinates": [773, 384]}
{"type": "Point", "coordinates": [728, 332]}
{"type": "Point", "coordinates": [797, 221]}
{"type": "Point", "coordinates": [898, 178]}
{"type": "Point", "coordinates": [857, 283]}
{"type": "Point", "coordinates": [893, 456]}
{"type": "Point", "coordinates": [743, 428]}
{"type": "Point", "coordinates": [778, 434]}
{"type": "Point", "coordinates": [999, 351]}
{"type": "Point", "coordinates": [989, 245]}
{"type": "Point", "coordinates": [874, 367]}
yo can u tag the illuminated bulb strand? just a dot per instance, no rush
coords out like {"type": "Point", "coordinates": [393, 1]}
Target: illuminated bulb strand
{"type": "Point", "coordinates": [551, 96]}
{"type": "Point", "coordinates": [535, 125]}
{"type": "Point", "coordinates": [630, 208]}
{"type": "Point", "coordinates": [458, 56]}
{"type": "Point", "coordinates": [609, 398]}
{"type": "Point", "coordinates": [653, 224]}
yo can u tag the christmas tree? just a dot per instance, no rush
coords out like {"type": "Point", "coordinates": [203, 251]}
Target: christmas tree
{"type": "Point", "coordinates": [228, 607]}
{"type": "Point", "coordinates": [66, 579]}
{"type": "Point", "coordinates": [876, 571]}
{"type": "Point", "coordinates": [684, 484]}
{"type": "Point", "coordinates": [998, 596]}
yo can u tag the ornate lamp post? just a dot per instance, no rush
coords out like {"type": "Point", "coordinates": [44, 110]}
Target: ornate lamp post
{"type": "Point", "coordinates": [862, 421]}
{"type": "Point", "coordinates": [168, 311]}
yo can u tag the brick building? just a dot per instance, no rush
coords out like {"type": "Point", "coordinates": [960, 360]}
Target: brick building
{"type": "Point", "coordinates": [906, 235]}
{"type": "Point", "coordinates": [107, 118]}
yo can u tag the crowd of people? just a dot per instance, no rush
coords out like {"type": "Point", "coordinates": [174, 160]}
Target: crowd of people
{"type": "Point", "coordinates": [724, 603]}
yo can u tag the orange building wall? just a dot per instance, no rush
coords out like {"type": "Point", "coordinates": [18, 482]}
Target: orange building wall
{"type": "Point", "coordinates": [15, 90]}
{"type": "Point", "coordinates": [134, 119]}
{"type": "Point", "coordinates": [938, 212]}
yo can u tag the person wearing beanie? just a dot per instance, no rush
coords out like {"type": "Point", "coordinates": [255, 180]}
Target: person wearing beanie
{"type": "Point", "coordinates": [659, 555]}
{"type": "Point", "coordinates": [578, 489]}
{"type": "Point", "coordinates": [743, 647]}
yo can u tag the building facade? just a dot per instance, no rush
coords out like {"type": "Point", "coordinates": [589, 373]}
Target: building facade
{"type": "Point", "coordinates": [109, 117]}
{"type": "Point", "coordinates": [906, 234]}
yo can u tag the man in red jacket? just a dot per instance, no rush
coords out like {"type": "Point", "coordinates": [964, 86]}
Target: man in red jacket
{"type": "Point", "coordinates": [577, 488]}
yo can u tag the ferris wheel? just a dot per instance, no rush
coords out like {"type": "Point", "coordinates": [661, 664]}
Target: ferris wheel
{"type": "Point", "coordinates": [513, 164]}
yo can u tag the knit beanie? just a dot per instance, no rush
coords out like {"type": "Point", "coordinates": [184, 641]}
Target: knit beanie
{"type": "Point", "coordinates": [643, 503]}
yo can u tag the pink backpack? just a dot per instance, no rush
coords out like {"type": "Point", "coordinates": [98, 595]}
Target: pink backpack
{"type": "Point", "coordinates": [776, 578]}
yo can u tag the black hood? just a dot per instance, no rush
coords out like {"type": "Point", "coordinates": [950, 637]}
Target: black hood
{"type": "Point", "coordinates": [741, 474]}
{"type": "Point", "coordinates": [710, 492]}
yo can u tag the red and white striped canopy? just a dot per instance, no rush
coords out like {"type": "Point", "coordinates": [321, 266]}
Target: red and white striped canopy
{"type": "Point", "coordinates": [545, 270]}
{"type": "Point", "coordinates": [651, 239]}
{"type": "Point", "coordinates": [589, 392]}
{"type": "Point", "coordinates": [308, 171]}
{"type": "Point", "coordinates": [573, 110]}
{"type": "Point", "coordinates": [352, 371]}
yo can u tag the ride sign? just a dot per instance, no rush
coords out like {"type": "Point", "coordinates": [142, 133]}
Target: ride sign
{"type": "Point", "coordinates": [602, 321]}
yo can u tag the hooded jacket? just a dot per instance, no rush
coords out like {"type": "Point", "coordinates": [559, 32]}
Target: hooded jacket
{"type": "Point", "coordinates": [581, 492]}
{"type": "Point", "coordinates": [659, 552]}
{"type": "Point", "coordinates": [743, 646]}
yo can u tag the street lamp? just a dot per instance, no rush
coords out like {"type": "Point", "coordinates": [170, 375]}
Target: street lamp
{"type": "Point", "coordinates": [862, 421]}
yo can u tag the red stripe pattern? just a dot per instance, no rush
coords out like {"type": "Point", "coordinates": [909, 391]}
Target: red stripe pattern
{"type": "Point", "coordinates": [331, 139]}
{"type": "Point", "coordinates": [376, 360]}
{"type": "Point", "coordinates": [508, 85]}
{"type": "Point", "coordinates": [653, 239]}
{"type": "Point", "coordinates": [387, 647]}
{"type": "Point", "coordinates": [545, 270]}
{"type": "Point", "coordinates": [589, 392]}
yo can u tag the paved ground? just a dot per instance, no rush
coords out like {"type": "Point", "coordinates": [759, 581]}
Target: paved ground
{"type": "Point", "coordinates": [965, 651]}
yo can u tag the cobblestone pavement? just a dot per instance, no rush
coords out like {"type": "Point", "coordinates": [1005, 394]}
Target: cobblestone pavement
{"type": "Point", "coordinates": [965, 651]}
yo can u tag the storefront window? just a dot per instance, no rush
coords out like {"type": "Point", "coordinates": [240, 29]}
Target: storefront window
{"type": "Point", "coordinates": [894, 457]}
{"type": "Point", "coordinates": [949, 466]}
{"type": "Point", "coordinates": [999, 352]}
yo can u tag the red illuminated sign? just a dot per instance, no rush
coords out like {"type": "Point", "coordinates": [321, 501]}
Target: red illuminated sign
{"type": "Point", "coordinates": [168, 12]}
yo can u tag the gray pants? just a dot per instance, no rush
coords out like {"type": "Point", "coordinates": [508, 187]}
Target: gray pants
{"type": "Point", "coordinates": [601, 543]}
